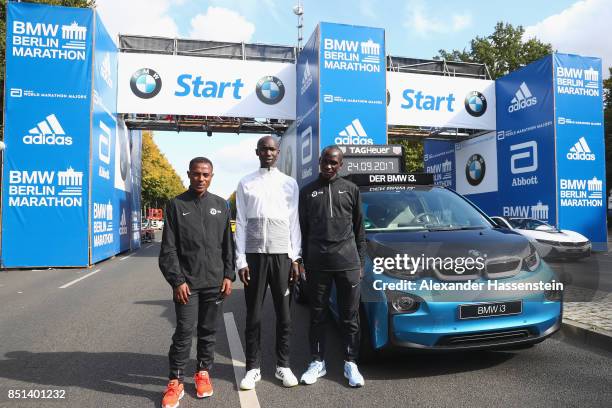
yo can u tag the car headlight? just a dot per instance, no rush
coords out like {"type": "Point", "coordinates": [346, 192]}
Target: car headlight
{"type": "Point", "coordinates": [532, 261]}
{"type": "Point", "coordinates": [547, 242]}
{"type": "Point", "coordinates": [400, 302]}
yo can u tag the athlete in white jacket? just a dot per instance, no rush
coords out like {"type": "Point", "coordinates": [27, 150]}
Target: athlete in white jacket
{"type": "Point", "coordinates": [268, 249]}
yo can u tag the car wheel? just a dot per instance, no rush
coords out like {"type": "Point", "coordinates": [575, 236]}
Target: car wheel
{"type": "Point", "coordinates": [367, 354]}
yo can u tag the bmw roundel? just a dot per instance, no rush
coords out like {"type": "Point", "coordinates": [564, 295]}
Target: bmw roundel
{"type": "Point", "coordinates": [475, 169]}
{"type": "Point", "coordinates": [475, 103]}
{"type": "Point", "coordinates": [145, 83]}
{"type": "Point", "coordinates": [270, 90]}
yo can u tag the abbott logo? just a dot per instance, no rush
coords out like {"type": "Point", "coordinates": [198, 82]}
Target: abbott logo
{"type": "Point", "coordinates": [48, 132]}
{"type": "Point", "coordinates": [522, 99]}
{"type": "Point", "coordinates": [306, 78]}
{"type": "Point", "coordinates": [581, 151]}
{"type": "Point", "coordinates": [529, 150]}
{"type": "Point", "coordinates": [354, 133]}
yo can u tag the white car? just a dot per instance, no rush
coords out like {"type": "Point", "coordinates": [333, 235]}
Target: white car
{"type": "Point", "coordinates": [548, 240]}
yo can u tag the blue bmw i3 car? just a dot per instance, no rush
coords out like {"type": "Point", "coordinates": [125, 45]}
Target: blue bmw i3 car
{"type": "Point", "coordinates": [441, 275]}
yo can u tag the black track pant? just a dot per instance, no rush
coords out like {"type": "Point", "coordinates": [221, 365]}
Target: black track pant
{"type": "Point", "coordinates": [205, 306]}
{"type": "Point", "coordinates": [273, 270]}
{"type": "Point", "coordinates": [348, 295]}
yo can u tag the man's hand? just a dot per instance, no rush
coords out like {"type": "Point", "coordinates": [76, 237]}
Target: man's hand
{"type": "Point", "coordinates": [181, 293]}
{"type": "Point", "coordinates": [226, 287]}
{"type": "Point", "coordinates": [294, 272]}
{"type": "Point", "coordinates": [245, 277]}
{"type": "Point", "coordinates": [302, 271]}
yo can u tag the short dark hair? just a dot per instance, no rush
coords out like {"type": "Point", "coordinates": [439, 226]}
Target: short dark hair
{"type": "Point", "coordinates": [331, 148]}
{"type": "Point", "coordinates": [200, 159]}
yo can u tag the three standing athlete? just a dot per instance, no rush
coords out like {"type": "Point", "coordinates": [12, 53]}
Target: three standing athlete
{"type": "Point", "coordinates": [196, 259]}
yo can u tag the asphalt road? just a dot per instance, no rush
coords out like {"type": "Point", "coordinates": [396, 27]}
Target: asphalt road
{"type": "Point", "coordinates": [105, 338]}
{"type": "Point", "coordinates": [593, 273]}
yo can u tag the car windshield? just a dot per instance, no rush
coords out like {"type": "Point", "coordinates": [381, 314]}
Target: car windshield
{"type": "Point", "coordinates": [530, 224]}
{"type": "Point", "coordinates": [419, 208]}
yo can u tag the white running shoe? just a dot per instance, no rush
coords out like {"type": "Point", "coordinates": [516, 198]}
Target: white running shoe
{"type": "Point", "coordinates": [315, 370]}
{"type": "Point", "coordinates": [286, 376]}
{"type": "Point", "coordinates": [250, 378]}
{"type": "Point", "coordinates": [351, 372]}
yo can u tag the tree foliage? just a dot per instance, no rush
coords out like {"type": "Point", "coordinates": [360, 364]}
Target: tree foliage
{"type": "Point", "coordinates": [160, 182]}
{"type": "Point", "coordinates": [503, 51]}
{"type": "Point", "coordinates": [413, 154]}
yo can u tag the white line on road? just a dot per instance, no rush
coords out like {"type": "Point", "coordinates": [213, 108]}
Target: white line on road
{"type": "Point", "coordinates": [248, 399]}
{"type": "Point", "coordinates": [149, 246]}
{"type": "Point", "coordinates": [79, 279]}
{"type": "Point", "coordinates": [125, 257]}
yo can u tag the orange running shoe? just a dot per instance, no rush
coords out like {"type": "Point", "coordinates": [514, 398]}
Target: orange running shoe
{"type": "Point", "coordinates": [174, 392]}
{"type": "Point", "coordinates": [203, 384]}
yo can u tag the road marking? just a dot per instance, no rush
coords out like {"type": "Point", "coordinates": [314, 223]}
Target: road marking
{"type": "Point", "coordinates": [148, 246]}
{"type": "Point", "coordinates": [248, 399]}
{"type": "Point", "coordinates": [79, 279]}
{"type": "Point", "coordinates": [125, 257]}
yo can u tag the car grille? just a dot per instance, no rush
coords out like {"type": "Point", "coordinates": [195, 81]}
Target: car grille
{"type": "Point", "coordinates": [501, 267]}
{"type": "Point", "coordinates": [573, 244]}
{"type": "Point", "coordinates": [484, 338]}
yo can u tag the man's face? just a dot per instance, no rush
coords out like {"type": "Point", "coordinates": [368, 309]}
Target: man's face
{"type": "Point", "coordinates": [267, 151]}
{"type": "Point", "coordinates": [200, 175]}
{"type": "Point", "coordinates": [330, 163]}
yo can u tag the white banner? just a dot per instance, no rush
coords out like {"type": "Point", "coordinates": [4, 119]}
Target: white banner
{"type": "Point", "coordinates": [181, 85]}
{"type": "Point", "coordinates": [439, 101]}
{"type": "Point", "coordinates": [476, 165]}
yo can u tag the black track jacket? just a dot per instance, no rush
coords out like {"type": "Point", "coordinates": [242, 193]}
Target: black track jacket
{"type": "Point", "coordinates": [333, 234]}
{"type": "Point", "coordinates": [197, 245]}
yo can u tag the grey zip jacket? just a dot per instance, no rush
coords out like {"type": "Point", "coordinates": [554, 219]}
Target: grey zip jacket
{"type": "Point", "coordinates": [267, 219]}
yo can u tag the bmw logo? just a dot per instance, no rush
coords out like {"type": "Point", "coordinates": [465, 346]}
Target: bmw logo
{"type": "Point", "coordinates": [145, 83]}
{"type": "Point", "coordinates": [475, 169]}
{"type": "Point", "coordinates": [270, 90]}
{"type": "Point", "coordinates": [475, 103]}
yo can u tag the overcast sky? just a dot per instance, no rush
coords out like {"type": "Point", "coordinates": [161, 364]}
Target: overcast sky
{"type": "Point", "coordinates": [414, 28]}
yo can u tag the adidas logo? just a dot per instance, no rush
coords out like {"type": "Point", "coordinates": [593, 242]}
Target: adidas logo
{"type": "Point", "coordinates": [306, 79]}
{"type": "Point", "coordinates": [48, 132]}
{"type": "Point", "coordinates": [522, 99]}
{"type": "Point", "coordinates": [581, 151]}
{"type": "Point", "coordinates": [354, 133]}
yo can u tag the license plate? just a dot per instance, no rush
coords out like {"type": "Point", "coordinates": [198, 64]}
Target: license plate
{"type": "Point", "coordinates": [490, 309]}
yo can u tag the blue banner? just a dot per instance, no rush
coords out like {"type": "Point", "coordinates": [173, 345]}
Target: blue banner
{"type": "Point", "coordinates": [525, 140]}
{"type": "Point", "coordinates": [307, 146]}
{"type": "Point", "coordinates": [439, 159]}
{"type": "Point", "coordinates": [47, 135]}
{"type": "Point", "coordinates": [353, 92]}
{"type": "Point", "coordinates": [105, 214]}
{"type": "Point", "coordinates": [580, 151]}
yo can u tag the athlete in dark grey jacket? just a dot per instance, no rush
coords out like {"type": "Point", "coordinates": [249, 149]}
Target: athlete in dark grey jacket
{"type": "Point", "coordinates": [197, 260]}
{"type": "Point", "coordinates": [333, 249]}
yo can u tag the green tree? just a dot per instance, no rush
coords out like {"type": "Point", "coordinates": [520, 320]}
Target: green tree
{"type": "Point", "coordinates": [160, 182]}
{"type": "Point", "coordinates": [413, 154]}
{"type": "Point", "coordinates": [67, 3]}
{"type": "Point", "coordinates": [503, 51]}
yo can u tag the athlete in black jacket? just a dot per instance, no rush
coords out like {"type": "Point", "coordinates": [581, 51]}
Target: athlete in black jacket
{"type": "Point", "coordinates": [197, 260]}
{"type": "Point", "coordinates": [333, 249]}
